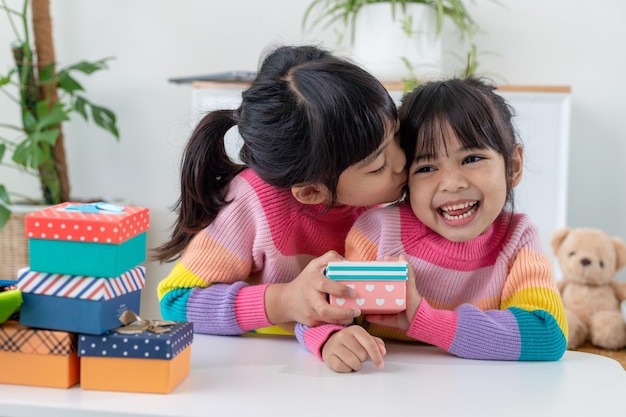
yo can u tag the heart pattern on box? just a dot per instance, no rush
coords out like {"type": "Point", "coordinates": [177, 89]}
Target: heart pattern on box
{"type": "Point", "coordinates": [374, 297]}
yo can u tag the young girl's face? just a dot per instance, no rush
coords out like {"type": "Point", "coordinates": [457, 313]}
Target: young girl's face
{"type": "Point", "coordinates": [380, 178]}
{"type": "Point", "coordinates": [459, 192]}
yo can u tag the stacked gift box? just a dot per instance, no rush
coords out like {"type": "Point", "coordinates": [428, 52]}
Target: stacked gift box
{"type": "Point", "coordinates": [84, 274]}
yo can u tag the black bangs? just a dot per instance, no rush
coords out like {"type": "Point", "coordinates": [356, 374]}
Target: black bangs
{"type": "Point", "coordinates": [436, 110]}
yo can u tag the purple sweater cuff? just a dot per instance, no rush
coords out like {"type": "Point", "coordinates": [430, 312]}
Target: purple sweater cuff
{"type": "Point", "coordinates": [212, 309]}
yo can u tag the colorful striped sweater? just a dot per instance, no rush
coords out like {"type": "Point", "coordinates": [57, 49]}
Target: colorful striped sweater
{"type": "Point", "coordinates": [493, 297]}
{"type": "Point", "coordinates": [263, 236]}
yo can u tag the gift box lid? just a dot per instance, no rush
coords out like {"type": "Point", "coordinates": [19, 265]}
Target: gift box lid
{"type": "Point", "coordinates": [142, 345]}
{"type": "Point", "coordinates": [87, 222]}
{"type": "Point", "coordinates": [15, 337]}
{"type": "Point", "coordinates": [369, 270]}
{"type": "Point", "coordinates": [81, 287]}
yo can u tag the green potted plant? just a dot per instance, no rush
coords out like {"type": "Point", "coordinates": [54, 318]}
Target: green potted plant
{"type": "Point", "coordinates": [378, 25]}
{"type": "Point", "coordinates": [46, 96]}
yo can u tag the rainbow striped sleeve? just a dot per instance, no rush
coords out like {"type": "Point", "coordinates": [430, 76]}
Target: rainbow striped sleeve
{"type": "Point", "coordinates": [530, 325]}
{"type": "Point", "coordinates": [174, 291]}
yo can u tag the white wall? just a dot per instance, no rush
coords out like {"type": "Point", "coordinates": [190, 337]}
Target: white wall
{"type": "Point", "coordinates": [525, 42]}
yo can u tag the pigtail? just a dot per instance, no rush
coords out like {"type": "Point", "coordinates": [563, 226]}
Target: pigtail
{"type": "Point", "coordinates": [206, 172]}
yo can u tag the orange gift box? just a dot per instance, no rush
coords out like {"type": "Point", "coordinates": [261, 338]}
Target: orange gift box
{"type": "Point", "coordinates": [159, 376]}
{"type": "Point", "coordinates": [45, 358]}
{"type": "Point", "coordinates": [143, 360]}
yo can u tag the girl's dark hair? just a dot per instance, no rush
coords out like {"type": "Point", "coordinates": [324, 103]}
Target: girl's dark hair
{"type": "Point", "coordinates": [307, 117]}
{"type": "Point", "coordinates": [479, 117]}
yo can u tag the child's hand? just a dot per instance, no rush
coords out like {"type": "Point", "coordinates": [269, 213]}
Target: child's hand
{"type": "Point", "coordinates": [403, 319]}
{"type": "Point", "coordinates": [304, 299]}
{"type": "Point", "coordinates": [347, 349]}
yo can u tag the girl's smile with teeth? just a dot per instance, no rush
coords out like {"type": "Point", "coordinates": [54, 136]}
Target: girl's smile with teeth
{"type": "Point", "coordinates": [458, 211]}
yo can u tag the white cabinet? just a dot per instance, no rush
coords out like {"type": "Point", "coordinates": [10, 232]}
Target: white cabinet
{"type": "Point", "coordinates": [542, 119]}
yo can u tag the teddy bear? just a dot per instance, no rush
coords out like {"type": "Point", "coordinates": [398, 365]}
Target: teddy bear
{"type": "Point", "coordinates": [589, 260]}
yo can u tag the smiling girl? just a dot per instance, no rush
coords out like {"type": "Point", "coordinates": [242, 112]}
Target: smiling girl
{"type": "Point", "coordinates": [481, 288]}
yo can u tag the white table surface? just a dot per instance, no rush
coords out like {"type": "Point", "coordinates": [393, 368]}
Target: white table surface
{"type": "Point", "coordinates": [273, 376]}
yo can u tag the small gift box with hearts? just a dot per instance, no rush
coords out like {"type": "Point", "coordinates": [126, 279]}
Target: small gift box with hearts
{"type": "Point", "coordinates": [151, 356]}
{"type": "Point", "coordinates": [37, 357]}
{"type": "Point", "coordinates": [380, 286]}
{"type": "Point", "coordinates": [76, 303]}
{"type": "Point", "coordinates": [95, 239]}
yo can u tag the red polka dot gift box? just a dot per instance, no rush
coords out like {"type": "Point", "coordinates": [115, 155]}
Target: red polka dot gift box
{"type": "Point", "coordinates": [91, 239]}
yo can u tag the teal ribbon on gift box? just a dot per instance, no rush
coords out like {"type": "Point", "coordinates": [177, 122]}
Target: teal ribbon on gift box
{"type": "Point", "coordinates": [95, 208]}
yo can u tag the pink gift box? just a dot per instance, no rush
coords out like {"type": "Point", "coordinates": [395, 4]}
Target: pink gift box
{"type": "Point", "coordinates": [380, 286]}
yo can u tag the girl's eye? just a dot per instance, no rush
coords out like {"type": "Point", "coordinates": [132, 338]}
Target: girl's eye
{"type": "Point", "coordinates": [424, 169]}
{"type": "Point", "coordinates": [472, 158]}
{"type": "Point", "coordinates": [381, 169]}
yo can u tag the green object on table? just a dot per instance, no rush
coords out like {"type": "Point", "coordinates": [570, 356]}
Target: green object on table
{"type": "Point", "coordinates": [10, 302]}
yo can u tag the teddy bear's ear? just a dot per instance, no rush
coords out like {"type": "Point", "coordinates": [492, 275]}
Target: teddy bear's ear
{"type": "Point", "coordinates": [620, 252]}
{"type": "Point", "coordinates": [558, 237]}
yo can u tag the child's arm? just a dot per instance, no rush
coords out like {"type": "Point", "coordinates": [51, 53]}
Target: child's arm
{"type": "Point", "coordinates": [235, 308]}
{"type": "Point", "coordinates": [530, 325]}
{"type": "Point", "coordinates": [343, 349]}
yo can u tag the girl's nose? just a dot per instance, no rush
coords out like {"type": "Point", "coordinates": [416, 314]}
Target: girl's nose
{"type": "Point", "coordinates": [398, 158]}
{"type": "Point", "coordinates": [452, 181]}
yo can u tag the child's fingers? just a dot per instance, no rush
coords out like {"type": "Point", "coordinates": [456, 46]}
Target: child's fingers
{"type": "Point", "coordinates": [374, 348]}
{"type": "Point", "coordinates": [337, 315]}
{"type": "Point", "coordinates": [335, 288]}
{"type": "Point", "coordinates": [321, 261]}
{"type": "Point", "coordinates": [389, 320]}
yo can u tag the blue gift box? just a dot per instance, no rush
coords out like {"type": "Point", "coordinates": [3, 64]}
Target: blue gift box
{"type": "Point", "coordinates": [79, 304]}
{"type": "Point", "coordinates": [143, 345]}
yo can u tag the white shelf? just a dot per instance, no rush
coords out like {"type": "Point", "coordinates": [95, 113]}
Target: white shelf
{"type": "Point", "coordinates": [542, 121]}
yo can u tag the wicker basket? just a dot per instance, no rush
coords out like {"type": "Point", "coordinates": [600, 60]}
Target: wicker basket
{"type": "Point", "coordinates": [13, 247]}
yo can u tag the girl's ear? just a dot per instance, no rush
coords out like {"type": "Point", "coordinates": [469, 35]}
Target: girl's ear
{"type": "Point", "coordinates": [517, 165]}
{"type": "Point", "coordinates": [310, 193]}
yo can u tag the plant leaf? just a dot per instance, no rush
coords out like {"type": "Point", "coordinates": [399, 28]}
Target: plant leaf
{"type": "Point", "coordinates": [46, 75]}
{"type": "Point", "coordinates": [87, 67]}
{"type": "Point", "coordinates": [52, 116]}
{"type": "Point", "coordinates": [30, 153]}
{"type": "Point", "coordinates": [68, 83]}
{"type": "Point", "coordinates": [4, 215]}
{"type": "Point", "coordinates": [49, 136]}
{"type": "Point", "coordinates": [5, 79]}
{"type": "Point", "coordinates": [4, 197]}
{"type": "Point", "coordinates": [80, 105]}
{"type": "Point", "coordinates": [29, 120]}
{"type": "Point", "coordinates": [104, 118]}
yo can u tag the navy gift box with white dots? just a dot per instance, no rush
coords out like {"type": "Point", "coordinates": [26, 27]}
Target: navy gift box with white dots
{"type": "Point", "coordinates": [144, 345]}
